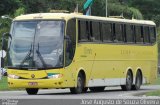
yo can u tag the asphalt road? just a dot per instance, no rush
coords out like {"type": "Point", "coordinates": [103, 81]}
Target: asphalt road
{"type": "Point", "coordinates": [110, 92]}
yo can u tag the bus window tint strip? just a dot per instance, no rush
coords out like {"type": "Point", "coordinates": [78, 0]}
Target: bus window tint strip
{"type": "Point", "coordinates": [115, 32]}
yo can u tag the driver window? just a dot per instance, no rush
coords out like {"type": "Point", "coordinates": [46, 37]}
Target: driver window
{"type": "Point", "coordinates": [70, 41]}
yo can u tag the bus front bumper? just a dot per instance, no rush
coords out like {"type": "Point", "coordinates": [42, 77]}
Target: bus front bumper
{"type": "Point", "coordinates": [35, 83]}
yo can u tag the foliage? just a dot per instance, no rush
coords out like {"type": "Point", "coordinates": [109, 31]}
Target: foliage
{"type": "Point", "coordinates": [4, 27]}
{"type": "Point", "coordinates": [35, 6]}
{"type": "Point", "coordinates": [19, 11]}
{"type": "Point", "coordinates": [154, 93]}
{"type": "Point", "coordinates": [3, 84]}
{"type": "Point", "coordinates": [115, 7]}
{"type": "Point", "coordinates": [127, 12]}
{"type": "Point", "coordinates": [149, 8]}
{"type": "Point", "coordinates": [8, 6]}
{"type": "Point", "coordinates": [157, 92]}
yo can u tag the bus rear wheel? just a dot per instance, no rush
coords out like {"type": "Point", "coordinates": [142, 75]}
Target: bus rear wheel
{"type": "Point", "coordinates": [32, 91]}
{"type": "Point", "coordinates": [138, 82]}
{"type": "Point", "coordinates": [80, 85]}
{"type": "Point", "coordinates": [129, 81]}
{"type": "Point", "coordinates": [97, 89]}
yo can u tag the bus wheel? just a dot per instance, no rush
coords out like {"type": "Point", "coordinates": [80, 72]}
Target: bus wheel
{"type": "Point", "coordinates": [138, 82]}
{"type": "Point", "coordinates": [32, 91]}
{"type": "Point", "coordinates": [97, 89]}
{"type": "Point", "coordinates": [80, 85]}
{"type": "Point", "coordinates": [85, 89]}
{"type": "Point", "coordinates": [129, 81]}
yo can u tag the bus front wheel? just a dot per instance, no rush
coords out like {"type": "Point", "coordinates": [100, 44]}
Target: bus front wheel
{"type": "Point", "coordinates": [80, 85]}
{"type": "Point", "coordinates": [85, 89]}
{"type": "Point", "coordinates": [129, 81]}
{"type": "Point", "coordinates": [32, 91]}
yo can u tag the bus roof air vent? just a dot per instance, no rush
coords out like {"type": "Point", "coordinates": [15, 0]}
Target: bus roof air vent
{"type": "Point", "coordinates": [119, 17]}
{"type": "Point", "coordinates": [59, 11]}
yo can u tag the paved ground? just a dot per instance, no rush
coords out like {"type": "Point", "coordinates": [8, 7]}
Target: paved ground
{"type": "Point", "coordinates": [110, 92]}
{"type": "Point", "coordinates": [111, 95]}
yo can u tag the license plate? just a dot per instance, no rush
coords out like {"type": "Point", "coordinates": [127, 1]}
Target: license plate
{"type": "Point", "coordinates": [32, 83]}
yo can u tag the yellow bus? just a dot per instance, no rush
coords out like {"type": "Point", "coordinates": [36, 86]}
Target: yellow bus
{"type": "Point", "coordinates": [60, 50]}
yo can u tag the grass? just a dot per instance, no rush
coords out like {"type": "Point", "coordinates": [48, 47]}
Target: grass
{"type": "Point", "coordinates": [154, 93]}
{"type": "Point", "coordinates": [157, 82]}
{"type": "Point", "coordinates": [157, 92]}
{"type": "Point", "coordinates": [3, 84]}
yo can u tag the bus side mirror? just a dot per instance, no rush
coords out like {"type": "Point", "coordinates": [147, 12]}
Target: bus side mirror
{"type": "Point", "coordinates": [4, 44]}
{"type": "Point", "coordinates": [5, 41]}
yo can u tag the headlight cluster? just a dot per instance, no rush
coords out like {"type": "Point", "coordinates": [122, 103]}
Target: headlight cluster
{"type": "Point", "coordinates": [13, 76]}
{"type": "Point", "coordinates": [55, 76]}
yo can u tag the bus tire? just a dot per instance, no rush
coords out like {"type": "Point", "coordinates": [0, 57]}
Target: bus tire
{"type": "Point", "coordinates": [97, 89]}
{"type": "Point", "coordinates": [138, 81]}
{"type": "Point", "coordinates": [80, 85]}
{"type": "Point", "coordinates": [32, 91]}
{"type": "Point", "coordinates": [129, 81]}
{"type": "Point", "coordinates": [85, 89]}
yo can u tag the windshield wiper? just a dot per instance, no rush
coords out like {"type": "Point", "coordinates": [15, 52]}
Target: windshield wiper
{"type": "Point", "coordinates": [27, 56]}
{"type": "Point", "coordinates": [41, 58]}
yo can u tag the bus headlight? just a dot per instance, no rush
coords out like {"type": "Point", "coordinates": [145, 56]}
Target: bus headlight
{"type": "Point", "coordinates": [55, 76]}
{"type": "Point", "coordinates": [13, 76]}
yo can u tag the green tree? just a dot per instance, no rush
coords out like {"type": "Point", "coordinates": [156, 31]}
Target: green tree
{"type": "Point", "coordinates": [19, 11]}
{"type": "Point", "coordinates": [115, 8]}
{"type": "Point", "coordinates": [8, 6]}
{"type": "Point", "coordinates": [34, 6]}
{"type": "Point", "coordinates": [69, 5]}
{"type": "Point", "coordinates": [149, 8]}
{"type": "Point", "coordinates": [4, 27]}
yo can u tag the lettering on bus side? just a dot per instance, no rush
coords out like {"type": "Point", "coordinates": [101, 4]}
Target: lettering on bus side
{"type": "Point", "coordinates": [125, 52]}
{"type": "Point", "coordinates": [87, 51]}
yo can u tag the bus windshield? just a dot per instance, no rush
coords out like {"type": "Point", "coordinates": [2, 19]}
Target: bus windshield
{"type": "Point", "coordinates": [36, 45]}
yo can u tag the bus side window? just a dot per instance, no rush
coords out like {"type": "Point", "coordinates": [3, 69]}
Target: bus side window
{"type": "Point", "coordinates": [95, 32]}
{"type": "Point", "coordinates": [83, 34]}
{"type": "Point", "coordinates": [118, 33]}
{"type": "Point", "coordinates": [129, 33]}
{"type": "Point", "coordinates": [107, 32]}
{"type": "Point", "coordinates": [152, 34]}
{"type": "Point", "coordinates": [138, 32]}
{"type": "Point", "coordinates": [70, 41]}
{"type": "Point", "coordinates": [146, 34]}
